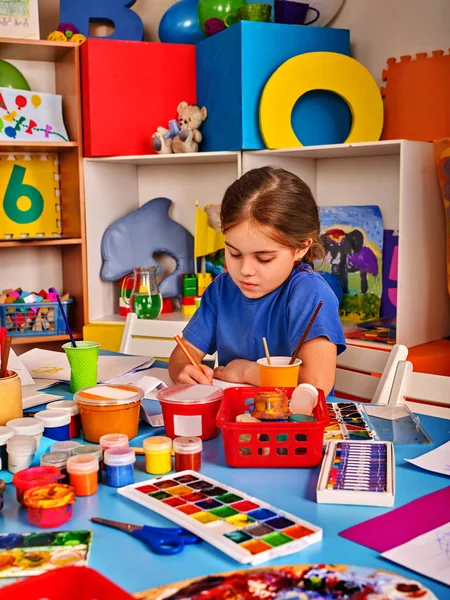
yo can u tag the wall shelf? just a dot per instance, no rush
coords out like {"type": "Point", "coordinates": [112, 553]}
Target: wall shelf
{"type": "Point", "coordinates": [39, 339]}
{"type": "Point", "coordinates": [37, 242]}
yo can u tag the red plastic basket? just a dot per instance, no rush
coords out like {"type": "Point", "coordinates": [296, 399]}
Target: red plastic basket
{"type": "Point", "coordinates": [269, 444]}
{"type": "Point", "coordinates": [68, 583]}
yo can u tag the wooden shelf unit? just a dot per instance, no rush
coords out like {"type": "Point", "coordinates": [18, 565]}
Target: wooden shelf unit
{"type": "Point", "coordinates": [52, 67]}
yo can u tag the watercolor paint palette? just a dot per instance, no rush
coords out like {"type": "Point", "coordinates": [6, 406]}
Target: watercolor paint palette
{"type": "Point", "coordinates": [247, 529]}
{"type": "Point", "coordinates": [356, 472]}
{"type": "Point", "coordinates": [348, 422]}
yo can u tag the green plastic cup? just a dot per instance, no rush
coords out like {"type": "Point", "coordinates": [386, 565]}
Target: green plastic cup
{"type": "Point", "coordinates": [83, 362]}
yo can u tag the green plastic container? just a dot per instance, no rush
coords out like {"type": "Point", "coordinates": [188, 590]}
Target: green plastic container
{"type": "Point", "coordinates": [83, 362]}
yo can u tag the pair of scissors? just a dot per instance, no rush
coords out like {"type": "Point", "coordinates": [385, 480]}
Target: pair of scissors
{"type": "Point", "coordinates": [161, 540]}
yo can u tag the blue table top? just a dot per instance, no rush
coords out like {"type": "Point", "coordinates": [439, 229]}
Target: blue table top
{"type": "Point", "coordinates": [129, 563]}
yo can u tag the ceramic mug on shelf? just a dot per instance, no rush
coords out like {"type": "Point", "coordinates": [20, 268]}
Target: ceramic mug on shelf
{"type": "Point", "coordinates": [294, 13]}
{"type": "Point", "coordinates": [249, 12]}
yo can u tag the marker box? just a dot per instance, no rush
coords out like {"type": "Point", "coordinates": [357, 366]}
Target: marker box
{"type": "Point", "coordinates": [357, 473]}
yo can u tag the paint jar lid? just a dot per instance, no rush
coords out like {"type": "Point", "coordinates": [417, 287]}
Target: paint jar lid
{"type": "Point", "coordinates": [34, 476]}
{"type": "Point", "coordinates": [68, 447]}
{"type": "Point", "coordinates": [53, 418]}
{"type": "Point", "coordinates": [114, 440]}
{"type": "Point", "coordinates": [190, 394]}
{"type": "Point", "coordinates": [52, 495]}
{"type": "Point", "coordinates": [109, 395]}
{"type": "Point", "coordinates": [88, 450]}
{"type": "Point", "coordinates": [70, 405]}
{"type": "Point", "coordinates": [57, 459]}
{"type": "Point", "coordinates": [21, 444]}
{"type": "Point", "coordinates": [304, 399]}
{"type": "Point", "coordinates": [82, 464]}
{"type": "Point", "coordinates": [117, 457]}
{"type": "Point", "coordinates": [187, 445]}
{"type": "Point", "coordinates": [157, 443]}
{"type": "Point", "coordinates": [26, 426]}
{"type": "Point", "coordinates": [5, 434]}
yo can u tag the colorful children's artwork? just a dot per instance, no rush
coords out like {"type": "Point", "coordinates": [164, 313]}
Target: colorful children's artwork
{"type": "Point", "coordinates": [25, 554]}
{"type": "Point", "coordinates": [347, 422]}
{"type": "Point", "coordinates": [31, 116]}
{"type": "Point", "coordinates": [29, 186]}
{"type": "Point", "coordinates": [298, 582]}
{"type": "Point", "coordinates": [388, 309]}
{"type": "Point", "coordinates": [247, 529]}
{"type": "Point", "coordinates": [19, 19]}
{"type": "Point", "coordinates": [353, 241]}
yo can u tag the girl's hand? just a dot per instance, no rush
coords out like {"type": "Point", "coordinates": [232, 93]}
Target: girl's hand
{"type": "Point", "coordinates": [239, 371]}
{"type": "Point", "coordinates": [190, 374]}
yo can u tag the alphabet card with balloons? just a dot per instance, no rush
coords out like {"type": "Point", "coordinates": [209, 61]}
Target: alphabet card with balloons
{"type": "Point", "coordinates": [31, 116]}
{"type": "Point", "coordinates": [29, 186]}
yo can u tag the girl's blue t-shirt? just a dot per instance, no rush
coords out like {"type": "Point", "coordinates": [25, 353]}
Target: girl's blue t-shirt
{"type": "Point", "coordinates": [233, 325]}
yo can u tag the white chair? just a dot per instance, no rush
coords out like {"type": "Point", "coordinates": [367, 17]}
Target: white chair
{"type": "Point", "coordinates": [421, 392]}
{"type": "Point", "coordinates": [367, 374]}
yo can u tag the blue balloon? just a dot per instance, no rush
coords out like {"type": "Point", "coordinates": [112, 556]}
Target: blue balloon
{"type": "Point", "coordinates": [180, 24]}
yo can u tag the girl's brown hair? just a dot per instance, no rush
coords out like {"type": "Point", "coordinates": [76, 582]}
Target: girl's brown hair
{"type": "Point", "coordinates": [280, 201]}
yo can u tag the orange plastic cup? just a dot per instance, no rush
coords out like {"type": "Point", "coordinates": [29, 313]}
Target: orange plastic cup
{"type": "Point", "coordinates": [279, 373]}
{"type": "Point", "coordinates": [83, 474]}
{"type": "Point", "coordinates": [109, 409]}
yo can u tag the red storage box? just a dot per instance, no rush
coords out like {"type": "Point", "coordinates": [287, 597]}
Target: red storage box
{"type": "Point", "coordinates": [68, 583]}
{"type": "Point", "coordinates": [270, 444]}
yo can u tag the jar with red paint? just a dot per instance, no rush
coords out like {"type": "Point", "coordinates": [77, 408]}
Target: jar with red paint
{"type": "Point", "coordinates": [188, 453]}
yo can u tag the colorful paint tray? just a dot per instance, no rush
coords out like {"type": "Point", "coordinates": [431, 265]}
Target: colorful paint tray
{"type": "Point", "coordinates": [348, 421]}
{"type": "Point", "coordinates": [247, 529]}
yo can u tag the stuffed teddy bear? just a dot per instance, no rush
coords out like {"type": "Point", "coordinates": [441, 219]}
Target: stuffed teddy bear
{"type": "Point", "coordinates": [182, 135]}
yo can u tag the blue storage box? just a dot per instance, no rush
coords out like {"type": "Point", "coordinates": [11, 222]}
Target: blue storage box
{"type": "Point", "coordinates": [34, 319]}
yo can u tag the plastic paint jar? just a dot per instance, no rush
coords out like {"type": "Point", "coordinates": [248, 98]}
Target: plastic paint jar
{"type": "Point", "coordinates": [106, 408]}
{"type": "Point", "coordinates": [188, 453]}
{"type": "Point", "coordinates": [83, 474]}
{"type": "Point", "coordinates": [113, 440]}
{"type": "Point", "coordinates": [36, 476]}
{"type": "Point", "coordinates": [56, 423]}
{"type": "Point", "coordinates": [72, 408]}
{"type": "Point", "coordinates": [91, 451]}
{"type": "Point", "coordinates": [59, 460]}
{"type": "Point", "coordinates": [5, 434]}
{"type": "Point", "coordinates": [190, 410]}
{"type": "Point", "coordinates": [68, 446]}
{"type": "Point", "coordinates": [304, 399]}
{"type": "Point", "coordinates": [49, 506]}
{"type": "Point", "coordinates": [28, 426]}
{"type": "Point", "coordinates": [21, 450]}
{"type": "Point", "coordinates": [158, 458]}
{"type": "Point", "coordinates": [119, 464]}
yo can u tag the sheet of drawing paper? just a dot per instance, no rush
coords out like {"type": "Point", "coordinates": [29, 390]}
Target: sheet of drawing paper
{"type": "Point", "coordinates": [427, 554]}
{"type": "Point", "coordinates": [402, 524]}
{"type": "Point", "coordinates": [437, 460]}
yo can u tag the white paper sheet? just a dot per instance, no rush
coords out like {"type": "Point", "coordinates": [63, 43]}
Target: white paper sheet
{"type": "Point", "coordinates": [163, 375]}
{"type": "Point", "coordinates": [15, 364]}
{"type": "Point", "coordinates": [39, 399]}
{"type": "Point", "coordinates": [437, 460]}
{"type": "Point", "coordinates": [427, 554]}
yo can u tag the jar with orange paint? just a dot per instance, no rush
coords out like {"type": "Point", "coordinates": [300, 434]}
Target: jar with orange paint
{"type": "Point", "coordinates": [83, 474]}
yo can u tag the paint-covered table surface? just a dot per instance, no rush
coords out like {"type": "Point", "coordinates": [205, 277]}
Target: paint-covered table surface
{"type": "Point", "coordinates": [130, 564]}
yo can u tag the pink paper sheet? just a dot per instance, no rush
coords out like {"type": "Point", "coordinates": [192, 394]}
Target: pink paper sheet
{"type": "Point", "coordinates": [402, 524]}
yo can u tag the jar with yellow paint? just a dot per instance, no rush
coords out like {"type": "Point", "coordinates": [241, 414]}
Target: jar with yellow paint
{"type": "Point", "coordinates": [158, 455]}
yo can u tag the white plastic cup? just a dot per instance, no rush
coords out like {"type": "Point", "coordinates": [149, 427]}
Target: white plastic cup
{"type": "Point", "coordinates": [27, 426]}
{"type": "Point", "coordinates": [21, 450]}
{"type": "Point", "coordinates": [304, 399]}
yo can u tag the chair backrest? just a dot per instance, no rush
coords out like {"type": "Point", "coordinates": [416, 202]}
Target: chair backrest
{"type": "Point", "coordinates": [367, 373]}
{"type": "Point", "coordinates": [422, 392]}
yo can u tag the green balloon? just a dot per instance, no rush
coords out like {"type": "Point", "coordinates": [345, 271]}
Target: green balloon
{"type": "Point", "coordinates": [11, 77]}
{"type": "Point", "coordinates": [219, 9]}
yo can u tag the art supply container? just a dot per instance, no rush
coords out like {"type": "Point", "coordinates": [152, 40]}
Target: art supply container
{"type": "Point", "coordinates": [5, 434]}
{"type": "Point", "coordinates": [10, 397]}
{"type": "Point", "coordinates": [21, 450]}
{"type": "Point", "coordinates": [158, 459]}
{"type": "Point", "coordinates": [27, 426]}
{"type": "Point", "coordinates": [50, 505]}
{"type": "Point", "coordinates": [279, 372]}
{"type": "Point", "coordinates": [190, 410]}
{"type": "Point", "coordinates": [66, 446]}
{"type": "Point", "coordinates": [57, 459]}
{"type": "Point", "coordinates": [304, 399]}
{"type": "Point", "coordinates": [34, 477]}
{"type": "Point", "coordinates": [83, 474]}
{"type": "Point", "coordinates": [83, 362]}
{"type": "Point", "coordinates": [119, 466]}
{"type": "Point", "coordinates": [109, 408]}
{"type": "Point", "coordinates": [188, 453]}
{"type": "Point", "coordinates": [91, 451]}
{"type": "Point", "coordinates": [56, 423]}
{"type": "Point", "coordinates": [271, 406]}
{"type": "Point", "coordinates": [2, 492]}
{"type": "Point", "coordinates": [270, 444]}
{"type": "Point", "coordinates": [72, 408]}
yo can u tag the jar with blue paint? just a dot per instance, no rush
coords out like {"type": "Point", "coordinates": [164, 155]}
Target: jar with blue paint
{"type": "Point", "coordinates": [56, 424]}
{"type": "Point", "coordinates": [119, 463]}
